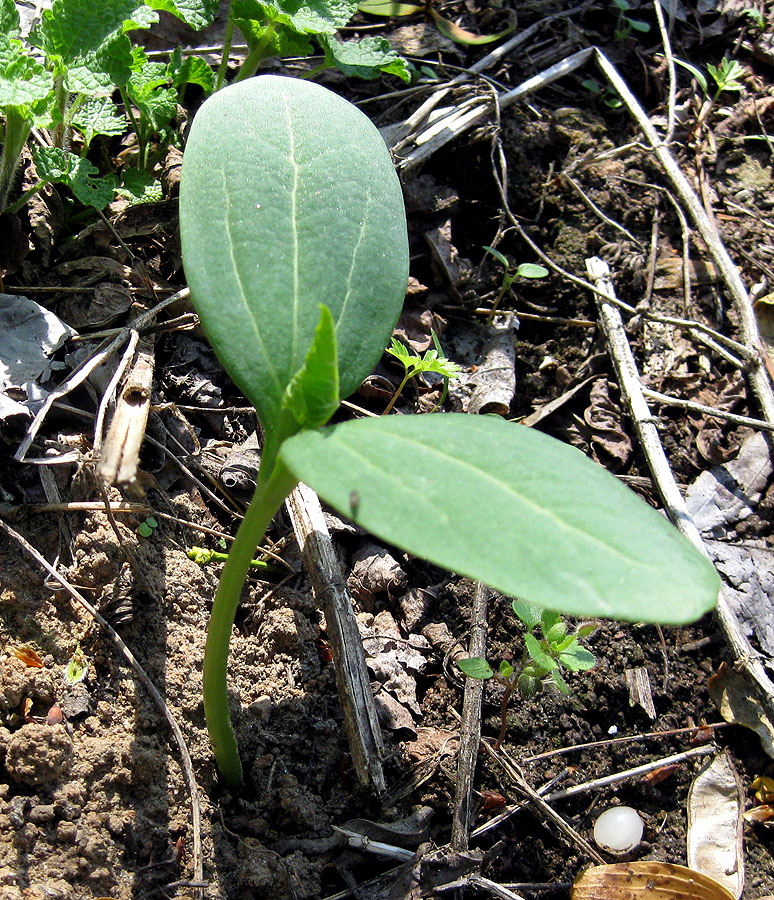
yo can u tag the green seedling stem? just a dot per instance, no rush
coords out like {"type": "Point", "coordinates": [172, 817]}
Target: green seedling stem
{"type": "Point", "coordinates": [17, 130]}
{"type": "Point", "coordinates": [228, 40]}
{"type": "Point", "coordinates": [269, 495]}
{"type": "Point", "coordinates": [256, 56]}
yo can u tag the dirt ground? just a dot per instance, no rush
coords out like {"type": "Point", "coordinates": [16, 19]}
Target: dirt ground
{"type": "Point", "coordinates": [93, 796]}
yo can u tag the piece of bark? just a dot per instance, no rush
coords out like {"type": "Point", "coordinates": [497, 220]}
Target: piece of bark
{"type": "Point", "coordinates": [119, 460]}
{"type": "Point", "coordinates": [360, 720]}
{"type": "Point", "coordinates": [470, 731]}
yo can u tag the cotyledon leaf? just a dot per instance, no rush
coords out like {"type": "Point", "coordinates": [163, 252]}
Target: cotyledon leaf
{"type": "Point", "coordinates": [509, 506]}
{"type": "Point", "coordinates": [289, 200]}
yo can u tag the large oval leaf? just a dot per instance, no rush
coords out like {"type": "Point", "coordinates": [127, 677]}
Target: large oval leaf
{"type": "Point", "coordinates": [289, 199]}
{"type": "Point", "coordinates": [509, 506]}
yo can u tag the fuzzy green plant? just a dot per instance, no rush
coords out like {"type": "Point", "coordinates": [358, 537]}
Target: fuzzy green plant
{"type": "Point", "coordinates": [295, 249]}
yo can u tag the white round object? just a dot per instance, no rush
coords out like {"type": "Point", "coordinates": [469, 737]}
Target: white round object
{"type": "Point", "coordinates": [618, 829]}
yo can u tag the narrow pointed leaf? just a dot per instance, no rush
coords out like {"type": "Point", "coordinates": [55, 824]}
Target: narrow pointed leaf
{"type": "Point", "coordinates": [312, 396]}
{"type": "Point", "coordinates": [289, 199]}
{"type": "Point", "coordinates": [514, 508]}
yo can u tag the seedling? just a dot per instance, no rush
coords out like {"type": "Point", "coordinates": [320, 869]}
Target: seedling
{"type": "Point", "coordinates": [203, 556]}
{"type": "Point", "coordinates": [510, 274]}
{"type": "Point", "coordinates": [542, 659]}
{"type": "Point", "coordinates": [295, 248]}
{"type": "Point", "coordinates": [146, 528]}
{"type": "Point", "coordinates": [625, 24]}
{"type": "Point", "coordinates": [757, 17]}
{"type": "Point", "coordinates": [727, 77]}
{"type": "Point", "coordinates": [604, 93]}
{"type": "Point", "coordinates": [77, 667]}
{"type": "Point", "coordinates": [432, 361]}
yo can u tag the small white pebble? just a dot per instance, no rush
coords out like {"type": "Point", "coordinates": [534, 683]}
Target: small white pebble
{"type": "Point", "coordinates": [613, 729]}
{"type": "Point", "coordinates": [618, 829]}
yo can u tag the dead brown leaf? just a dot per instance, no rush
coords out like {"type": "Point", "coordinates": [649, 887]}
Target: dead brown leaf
{"type": "Point", "coordinates": [649, 879]}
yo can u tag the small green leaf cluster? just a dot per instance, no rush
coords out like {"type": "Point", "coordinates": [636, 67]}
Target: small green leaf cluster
{"type": "Point", "coordinates": [726, 75]}
{"type": "Point", "coordinates": [65, 75]}
{"type": "Point", "coordinates": [625, 24]}
{"type": "Point", "coordinates": [510, 274]}
{"type": "Point", "coordinates": [604, 93]}
{"type": "Point", "coordinates": [147, 527]}
{"type": "Point", "coordinates": [286, 28]}
{"type": "Point", "coordinates": [413, 364]}
{"type": "Point", "coordinates": [543, 657]}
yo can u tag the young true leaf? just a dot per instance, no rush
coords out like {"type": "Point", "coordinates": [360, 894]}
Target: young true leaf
{"type": "Point", "coordinates": [191, 70]}
{"type": "Point", "coordinates": [312, 396]}
{"type": "Point", "coordinates": [577, 659]}
{"type": "Point", "coordinates": [63, 167]}
{"type": "Point", "coordinates": [196, 13]}
{"type": "Point", "coordinates": [553, 527]}
{"type": "Point", "coordinates": [528, 613]}
{"type": "Point", "coordinates": [70, 29]}
{"type": "Point", "coordinates": [98, 115]}
{"type": "Point", "coordinates": [538, 654]}
{"type": "Point", "coordinates": [269, 251]}
{"type": "Point", "coordinates": [475, 667]}
{"type": "Point", "coordinates": [366, 58]}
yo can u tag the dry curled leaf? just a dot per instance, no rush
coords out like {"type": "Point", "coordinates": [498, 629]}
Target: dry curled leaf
{"type": "Point", "coordinates": [715, 833]}
{"type": "Point", "coordinates": [28, 656]}
{"type": "Point", "coordinates": [649, 879]}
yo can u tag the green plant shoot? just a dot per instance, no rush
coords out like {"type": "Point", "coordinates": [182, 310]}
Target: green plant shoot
{"type": "Point", "coordinates": [510, 274]}
{"type": "Point", "coordinates": [542, 659]}
{"type": "Point", "coordinates": [432, 361]}
{"type": "Point", "coordinates": [295, 248]}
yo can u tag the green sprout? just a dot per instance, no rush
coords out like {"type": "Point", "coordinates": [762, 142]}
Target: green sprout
{"type": "Point", "coordinates": [299, 315]}
{"type": "Point", "coordinates": [146, 528]}
{"type": "Point", "coordinates": [757, 17]}
{"type": "Point", "coordinates": [727, 76]}
{"type": "Point", "coordinates": [604, 93]}
{"type": "Point", "coordinates": [204, 557]}
{"type": "Point", "coordinates": [542, 659]}
{"type": "Point", "coordinates": [510, 274]}
{"type": "Point", "coordinates": [77, 667]}
{"type": "Point", "coordinates": [432, 361]}
{"type": "Point", "coordinates": [625, 24]}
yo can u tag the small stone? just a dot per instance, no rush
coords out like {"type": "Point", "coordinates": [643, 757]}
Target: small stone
{"type": "Point", "coordinates": [261, 707]}
{"type": "Point", "coordinates": [40, 814]}
{"type": "Point", "coordinates": [66, 832]}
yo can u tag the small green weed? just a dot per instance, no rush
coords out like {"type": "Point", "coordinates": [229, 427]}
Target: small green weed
{"type": "Point", "coordinates": [510, 274]}
{"type": "Point", "coordinates": [148, 527]}
{"type": "Point", "coordinates": [77, 667]}
{"type": "Point", "coordinates": [542, 660]}
{"type": "Point", "coordinates": [625, 24]}
{"type": "Point", "coordinates": [432, 361]}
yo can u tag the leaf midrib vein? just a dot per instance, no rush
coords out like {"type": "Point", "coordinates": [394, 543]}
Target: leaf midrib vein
{"type": "Point", "coordinates": [560, 523]}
